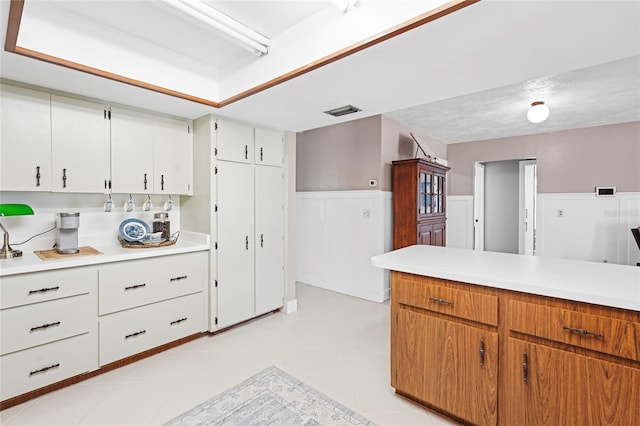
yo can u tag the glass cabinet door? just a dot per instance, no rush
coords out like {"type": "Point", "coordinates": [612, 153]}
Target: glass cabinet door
{"type": "Point", "coordinates": [422, 189]}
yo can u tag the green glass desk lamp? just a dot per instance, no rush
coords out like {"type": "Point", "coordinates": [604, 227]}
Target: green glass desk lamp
{"type": "Point", "coordinates": [12, 210]}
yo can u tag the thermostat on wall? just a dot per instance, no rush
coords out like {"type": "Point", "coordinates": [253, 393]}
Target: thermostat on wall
{"type": "Point", "coordinates": [605, 191]}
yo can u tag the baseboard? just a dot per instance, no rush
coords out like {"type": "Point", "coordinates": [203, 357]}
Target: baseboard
{"type": "Point", "coordinates": [290, 306]}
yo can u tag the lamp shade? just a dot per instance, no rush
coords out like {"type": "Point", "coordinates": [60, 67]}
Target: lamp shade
{"type": "Point", "coordinates": [15, 210]}
{"type": "Point", "coordinates": [538, 112]}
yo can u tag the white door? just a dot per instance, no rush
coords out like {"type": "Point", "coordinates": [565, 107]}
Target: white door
{"type": "Point", "coordinates": [268, 147]}
{"type": "Point", "coordinates": [478, 206]}
{"type": "Point", "coordinates": [173, 156]}
{"type": "Point", "coordinates": [25, 139]}
{"type": "Point", "coordinates": [79, 145]}
{"type": "Point", "coordinates": [530, 209]}
{"type": "Point", "coordinates": [234, 142]}
{"type": "Point", "coordinates": [235, 252]}
{"type": "Point", "coordinates": [131, 151]}
{"type": "Point", "coordinates": [269, 219]}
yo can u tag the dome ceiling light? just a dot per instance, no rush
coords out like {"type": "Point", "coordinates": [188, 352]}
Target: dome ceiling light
{"type": "Point", "coordinates": [538, 112]}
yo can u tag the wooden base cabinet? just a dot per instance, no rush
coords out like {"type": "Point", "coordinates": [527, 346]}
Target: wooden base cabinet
{"type": "Point", "coordinates": [486, 356]}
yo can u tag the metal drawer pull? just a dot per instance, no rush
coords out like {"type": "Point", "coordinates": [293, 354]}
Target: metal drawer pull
{"type": "Point", "coordinates": [481, 353]}
{"type": "Point", "coordinates": [42, 370]}
{"type": "Point", "coordinates": [44, 290]}
{"type": "Point", "coordinates": [183, 277]}
{"type": "Point", "coordinates": [583, 332]}
{"type": "Point", "coordinates": [133, 287]}
{"type": "Point", "coordinates": [178, 321]}
{"type": "Point", "coordinates": [440, 300]}
{"type": "Point", "coordinates": [135, 334]}
{"type": "Point", "coordinates": [525, 367]}
{"type": "Point", "coordinates": [45, 326]}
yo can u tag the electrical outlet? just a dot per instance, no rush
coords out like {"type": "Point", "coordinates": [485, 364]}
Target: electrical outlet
{"type": "Point", "coordinates": [373, 183]}
{"type": "Point", "coordinates": [560, 213]}
{"type": "Point", "coordinates": [366, 213]}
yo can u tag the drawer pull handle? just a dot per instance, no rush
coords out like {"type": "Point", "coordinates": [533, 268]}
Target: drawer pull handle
{"type": "Point", "coordinates": [481, 353]}
{"type": "Point", "coordinates": [40, 327]}
{"type": "Point", "coordinates": [178, 321]}
{"type": "Point", "coordinates": [133, 287]}
{"type": "Point", "coordinates": [183, 277]}
{"type": "Point", "coordinates": [44, 290]}
{"type": "Point", "coordinates": [135, 334]}
{"type": "Point", "coordinates": [441, 301]}
{"type": "Point", "coordinates": [525, 367]}
{"type": "Point", "coordinates": [583, 332]}
{"type": "Point", "coordinates": [42, 370]}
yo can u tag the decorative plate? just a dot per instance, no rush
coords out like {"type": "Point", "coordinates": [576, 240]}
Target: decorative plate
{"type": "Point", "coordinates": [133, 230]}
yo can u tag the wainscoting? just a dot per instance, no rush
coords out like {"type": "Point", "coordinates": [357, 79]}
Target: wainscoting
{"type": "Point", "coordinates": [337, 233]}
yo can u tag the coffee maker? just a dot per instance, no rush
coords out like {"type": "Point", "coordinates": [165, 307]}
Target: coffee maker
{"type": "Point", "coordinates": [67, 239]}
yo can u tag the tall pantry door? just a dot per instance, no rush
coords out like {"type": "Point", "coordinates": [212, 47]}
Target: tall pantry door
{"type": "Point", "coordinates": [235, 243]}
{"type": "Point", "coordinates": [269, 221]}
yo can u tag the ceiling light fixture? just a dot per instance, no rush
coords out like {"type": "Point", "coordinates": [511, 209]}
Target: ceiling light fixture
{"type": "Point", "coordinates": [347, 109]}
{"type": "Point", "coordinates": [343, 5]}
{"type": "Point", "coordinates": [237, 32]}
{"type": "Point", "coordinates": [538, 112]}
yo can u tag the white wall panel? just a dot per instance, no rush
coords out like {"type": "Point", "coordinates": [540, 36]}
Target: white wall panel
{"type": "Point", "coordinates": [337, 234]}
{"type": "Point", "coordinates": [460, 221]}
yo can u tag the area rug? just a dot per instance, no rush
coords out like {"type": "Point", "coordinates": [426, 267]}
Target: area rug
{"type": "Point", "coordinates": [271, 397]}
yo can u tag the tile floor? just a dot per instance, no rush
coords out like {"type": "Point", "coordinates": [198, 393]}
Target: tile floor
{"type": "Point", "coordinates": [335, 343]}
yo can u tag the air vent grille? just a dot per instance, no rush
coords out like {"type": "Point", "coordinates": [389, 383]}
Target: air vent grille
{"type": "Point", "coordinates": [347, 109]}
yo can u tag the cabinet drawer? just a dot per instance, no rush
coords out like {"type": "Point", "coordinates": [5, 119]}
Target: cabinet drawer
{"type": "Point", "coordinates": [599, 333]}
{"type": "Point", "coordinates": [34, 368]}
{"type": "Point", "coordinates": [135, 283]}
{"type": "Point", "coordinates": [127, 333]}
{"type": "Point", "coordinates": [465, 304]}
{"type": "Point", "coordinates": [23, 289]}
{"type": "Point", "coordinates": [27, 326]}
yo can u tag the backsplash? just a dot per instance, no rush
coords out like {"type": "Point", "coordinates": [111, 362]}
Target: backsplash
{"type": "Point", "coordinates": [97, 227]}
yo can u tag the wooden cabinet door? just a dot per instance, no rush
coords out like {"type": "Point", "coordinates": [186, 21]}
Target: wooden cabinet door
{"type": "Point", "coordinates": [172, 156]}
{"type": "Point", "coordinates": [25, 139]}
{"type": "Point", "coordinates": [131, 151]}
{"type": "Point", "coordinates": [268, 147]}
{"type": "Point", "coordinates": [425, 234]}
{"type": "Point", "coordinates": [80, 159]}
{"type": "Point", "coordinates": [449, 365]}
{"type": "Point", "coordinates": [236, 290]}
{"type": "Point", "coordinates": [438, 238]}
{"type": "Point", "coordinates": [269, 219]}
{"type": "Point", "coordinates": [234, 142]}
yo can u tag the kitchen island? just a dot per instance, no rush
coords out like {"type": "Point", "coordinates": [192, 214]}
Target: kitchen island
{"type": "Point", "coordinates": [494, 338]}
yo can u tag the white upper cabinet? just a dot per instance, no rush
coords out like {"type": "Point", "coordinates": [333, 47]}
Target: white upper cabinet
{"type": "Point", "coordinates": [131, 151]}
{"type": "Point", "coordinates": [79, 145]}
{"type": "Point", "coordinates": [25, 139]}
{"type": "Point", "coordinates": [234, 142]}
{"type": "Point", "coordinates": [172, 155]}
{"type": "Point", "coordinates": [268, 147]}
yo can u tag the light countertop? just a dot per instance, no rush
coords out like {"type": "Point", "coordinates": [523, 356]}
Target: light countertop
{"type": "Point", "coordinates": [30, 262]}
{"type": "Point", "coordinates": [590, 282]}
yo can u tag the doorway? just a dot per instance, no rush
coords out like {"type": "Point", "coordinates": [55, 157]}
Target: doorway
{"type": "Point", "coordinates": [504, 218]}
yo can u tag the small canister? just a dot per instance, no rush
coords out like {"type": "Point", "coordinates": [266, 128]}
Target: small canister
{"type": "Point", "coordinates": [161, 223]}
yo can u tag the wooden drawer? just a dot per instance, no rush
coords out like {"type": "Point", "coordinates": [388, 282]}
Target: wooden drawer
{"type": "Point", "coordinates": [596, 332]}
{"type": "Point", "coordinates": [36, 324]}
{"type": "Point", "coordinates": [23, 289]}
{"type": "Point", "coordinates": [135, 283]}
{"type": "Point", "coordinates": [129, 332]}
{"type": "Point", "coordinates": [427, 294]}
{"type": "Point", "coordinates": [43, 365]}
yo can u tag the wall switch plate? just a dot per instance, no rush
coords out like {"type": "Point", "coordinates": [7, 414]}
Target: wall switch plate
{"type": "Point", "coordinates": [373, 183]}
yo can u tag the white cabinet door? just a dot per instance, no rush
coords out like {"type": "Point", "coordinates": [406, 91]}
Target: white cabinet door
{"type": "Point", "coordinates": [131, 151]}
{"type": "Point", "coordinates": [269, 219]}
{"type": "Point", "coordinates": [173, 156]}
{"type": "Point", "coordinates": [25, 139]}
{"type": "Point", "coordinates": [268, 147]}
{"type": "Point", "coordinates": [235, 243]}
{"type": "Point", "coordinates": [79, 145]}
{"type": "Point", "coordinates": [234, 142]}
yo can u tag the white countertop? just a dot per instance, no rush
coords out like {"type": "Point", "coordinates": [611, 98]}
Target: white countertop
{"type": "Point", "coordinates": [30, 262]}
{"type": "Point", "coordinates": [591, 282]}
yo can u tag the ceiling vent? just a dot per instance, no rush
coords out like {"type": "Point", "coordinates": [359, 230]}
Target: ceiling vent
{"type": "Point", "coordinates": [348, 109]}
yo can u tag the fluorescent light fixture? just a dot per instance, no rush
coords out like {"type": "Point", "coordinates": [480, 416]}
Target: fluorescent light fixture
{"type": "Point", "coordinates": [241, 34]}
{"type": "Point", "coordinates": [347, 109]}
{"type": "Point", "coordinates": [538, 112]}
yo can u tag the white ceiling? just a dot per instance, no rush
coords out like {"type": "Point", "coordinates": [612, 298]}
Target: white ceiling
{"type": "Point", "coordinates": [467, 76]}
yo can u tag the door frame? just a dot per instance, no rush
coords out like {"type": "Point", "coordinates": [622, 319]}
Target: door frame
{"type": "Point", "coordinates": [478, 206]}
